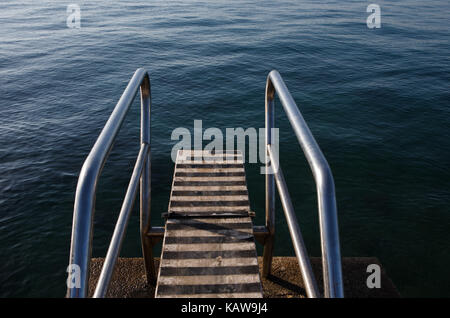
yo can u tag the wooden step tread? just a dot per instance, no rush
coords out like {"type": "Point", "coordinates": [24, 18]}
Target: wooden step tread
{"type": "Point", "coordinates": [206, 183]}
{"type": "Point", "coordinates": [209, 248]}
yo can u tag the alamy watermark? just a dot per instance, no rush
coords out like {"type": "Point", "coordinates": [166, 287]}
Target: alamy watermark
{"type": "Point", "coordinates": [374, 279]}
{"type": "Point", "coordinates": [73, 20]}
{"type": "Point", "coordinates": [374, 19]}
{"type": "Point", "coordinates": [215, 138]}
{"type": "Point", "coordinates": [73, 276]}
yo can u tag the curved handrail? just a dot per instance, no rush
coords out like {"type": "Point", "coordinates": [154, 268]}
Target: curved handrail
{"type": "Point", "coordinates": [81, 243]}
{"type": "Point", "coordinates": [329, 233]}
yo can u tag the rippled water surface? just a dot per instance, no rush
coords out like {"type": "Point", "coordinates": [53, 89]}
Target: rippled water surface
{"type": "Point", "coordinates": [377, 101]}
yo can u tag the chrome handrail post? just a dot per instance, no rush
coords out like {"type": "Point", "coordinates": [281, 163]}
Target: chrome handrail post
{"type": "Point", "coordinates": [145, 195]}
{"type": "Point", "coordinates": [269, 181]}
{"type": "Point", "coordinates": [309, 280]}
{"type": "Point", "coordinates": [121, 225]}
{"type": "Point", "coordinates": [145, 139]}
{"type": "Point", "coordinates": [329, 231]}
{"type": "Point", "coordinates": [84, 206]}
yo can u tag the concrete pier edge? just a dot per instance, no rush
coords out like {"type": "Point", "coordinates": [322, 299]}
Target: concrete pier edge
{"type": "Point", "coordinates": [128, 280]}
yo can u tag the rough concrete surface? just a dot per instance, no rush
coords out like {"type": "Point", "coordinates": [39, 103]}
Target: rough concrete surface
{"type": "Point", "coordinates": [285, 281]}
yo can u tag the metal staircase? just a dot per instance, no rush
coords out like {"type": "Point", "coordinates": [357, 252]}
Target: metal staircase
{"type": "Point", "coordinates": [194, 216]}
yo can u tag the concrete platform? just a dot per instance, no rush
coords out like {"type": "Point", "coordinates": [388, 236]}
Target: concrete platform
{"type": "Point", "coordinates": [285, 282]}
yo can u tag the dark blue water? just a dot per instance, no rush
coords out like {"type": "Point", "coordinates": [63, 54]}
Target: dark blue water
{"type": "Point", "coordinates": [377, 101]}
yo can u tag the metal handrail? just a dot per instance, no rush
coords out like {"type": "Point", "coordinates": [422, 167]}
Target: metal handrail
{"type": "Point", "coordinates": [329, 233]}
{"type": "Point", "coordinates": [122, 222]}
{"type": "Point", "coordinates": [311, 288]}
{"type": "Point", "coordinates": [82, 228]}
